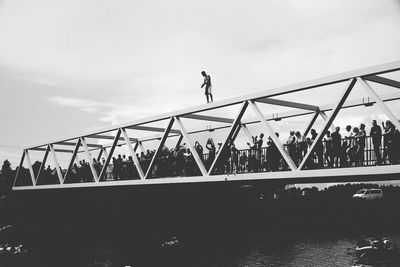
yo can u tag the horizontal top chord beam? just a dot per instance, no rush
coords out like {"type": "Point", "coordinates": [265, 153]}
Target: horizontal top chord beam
{"type": "Point", "coordinates": [56, 150]}
{"type": "Point", "coordinates": [151, 129]}
{"type": "Point", "coordinates": [109, 137]}
{"type": "Point", "coordinates": [284, 103]}
{"type": "Point", "coordinates": [208, 118]}
{"type": "Point", "coordinates": [73, 144]}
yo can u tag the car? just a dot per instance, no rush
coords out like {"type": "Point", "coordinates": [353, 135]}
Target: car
{"type": "Point", "coordinates": [369, 194]}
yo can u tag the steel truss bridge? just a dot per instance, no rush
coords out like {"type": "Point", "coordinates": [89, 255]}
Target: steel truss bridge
{"type": "Point", "coordinates": [294, 172]}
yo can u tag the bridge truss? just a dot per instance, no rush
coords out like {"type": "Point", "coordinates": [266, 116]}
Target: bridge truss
{"type": "Point", "coordinates": [295, 172]}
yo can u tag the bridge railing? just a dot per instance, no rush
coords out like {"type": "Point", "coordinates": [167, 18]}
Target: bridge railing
{"type": "Point", "coordinates": [242, 161]}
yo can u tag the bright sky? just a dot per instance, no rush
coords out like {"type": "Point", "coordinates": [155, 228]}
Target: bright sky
{"type": "Point", "coordinates": [71, 66]}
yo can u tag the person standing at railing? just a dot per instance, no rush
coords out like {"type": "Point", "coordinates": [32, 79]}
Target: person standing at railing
{"type": "Point", "coordinates": [361, 143]}
{"type": "Point", "coordinates": [199, 150]}
{"type": "Point", "coordinates": [291, 145]}
{"type": "Point", "coordinates": [336, 146]}
{"type": "Point", "coordinates": [211, 152]}
{"type": "Point", "coordinates": [346, 145]}
{"type": "Point", "coordinates": [301, 147]}
{"type": "Point", "coordinates": [258, 147]}
{"type": "Point", "coordinates": [376, 135]}
{"type": "Point", "coordinates": [388, 151]}
{"type": "Point", "coordinates": [233, 160]}
{"type": "Point", "coordinates": [328, 148]}
{"type": "Point", "coordinates": [318, 149]}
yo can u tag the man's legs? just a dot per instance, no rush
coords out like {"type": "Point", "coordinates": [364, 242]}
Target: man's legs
{"type": "Point", "coordinates": [211, 98]}
{"type": "Point", "coordinates": [207, 98]}
{"type": "Point", "coordinates": [377, 153]}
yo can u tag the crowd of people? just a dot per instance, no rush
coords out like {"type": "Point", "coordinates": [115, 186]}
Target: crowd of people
{"type": "Point", "coordinates": [352, 147]}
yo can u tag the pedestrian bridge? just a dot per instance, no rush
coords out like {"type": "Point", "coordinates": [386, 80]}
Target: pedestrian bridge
{"type": "Point", "coordinates": [92, 162]}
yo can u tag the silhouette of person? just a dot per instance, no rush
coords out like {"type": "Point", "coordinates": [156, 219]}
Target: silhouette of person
{"type": "Point", "coordinates": [207, 83]}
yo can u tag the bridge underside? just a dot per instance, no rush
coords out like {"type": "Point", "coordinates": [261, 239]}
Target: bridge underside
{"type": "Point", "coordinates": [306, 166]}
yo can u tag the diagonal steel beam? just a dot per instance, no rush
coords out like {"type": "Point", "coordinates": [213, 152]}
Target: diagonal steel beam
{"type": "Point", "coordinates": [207, 118]}
{"type": "Point", "coordinates": [74, 156]}
{"type": "Point", "coordinates": [178, 144]}
{"type": "Point", "coordinates": [335, 111]}
{"type": "Point", "coordinates": [133, 154]}
{"type": "Point", "coordinates": [141, 147]}
{"type": "Point", "coordinates": [94, 173]}
{"type": "Point", "coordinates": [112, 148]}
{"type": "Point", "coordinates": [325, 117]}
{"type": "Point", "coordinates": [232, 130]}
{"type": "Point", "coordinates": [28, 159]}
{"type": "Point", "coordinates": [43, 164]}
{"type": "Point", "coordinates": [379, 102]}
{"type": "Point", "coordinates": [196, 156]}
{"type": "Point", "coordinates": [100, 153]}
{"type": "Point", "coordinates": [152, 129]}
{"type": "Point", "coordinates": [163, 139]}
{"type": "Point", "coordinates": [21, 163]}
{"type": "Point", "coordinates": [274, 138]}
{"type": "Point", "coordinates": [310, 124]}
{"type": "Point", "coordinates": [382, 80]}
{"type": "Point", "coordinates": [58, 170]}
{"type": "Point", "coordinates": [285, 103]}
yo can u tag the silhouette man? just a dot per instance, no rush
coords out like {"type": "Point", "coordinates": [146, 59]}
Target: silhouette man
{"type": "Point", "coordinates": [207, 83]}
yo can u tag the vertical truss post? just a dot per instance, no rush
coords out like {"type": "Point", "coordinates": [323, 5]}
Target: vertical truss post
{"type": "Point", "coordinates": [232, 130]}
{"type": "Point", "coordinates": [379, 102]}
{"type": "Point", "coordinates": [94, 173]}
{"type": "Point", "coordinates": [115, 143]}
{"type": "Point", "coordinates": [59, 174]}
{"type": "Point", "coordinates": [133, 154]}
{"type": "Point", "coordinates": [163, 139]}
{"type": "Point", "coordinates": [310, 124]}
{"type": "Point", "coordinates": [191, 147]}
{"type": "Point", "coordinates": [335, 111]}
{"type": "Point", "coordinates": [21, 163]}
{"type": "Point", "coordinates": [274, 138]}
{"type": "Point", "coordinates": [28, 159]}
{"type": "Point", "coordinates": [43, 164]}
{"type": "Point", "coordinates": [74, 156]}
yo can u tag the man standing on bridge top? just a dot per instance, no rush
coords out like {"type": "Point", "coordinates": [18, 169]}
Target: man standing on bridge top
{"type": "Point", "coordinates": [207, 83]}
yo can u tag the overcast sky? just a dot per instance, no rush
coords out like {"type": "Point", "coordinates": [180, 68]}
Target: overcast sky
{"type": "Point", "coordinates": [71, 66]}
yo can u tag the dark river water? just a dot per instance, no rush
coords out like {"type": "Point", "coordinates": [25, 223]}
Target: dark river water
{"type": "Point", "coordinates": [278, 251]}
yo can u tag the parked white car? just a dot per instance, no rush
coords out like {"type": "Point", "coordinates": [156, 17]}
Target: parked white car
{"type": "Point", "coordinates": [369, 194]}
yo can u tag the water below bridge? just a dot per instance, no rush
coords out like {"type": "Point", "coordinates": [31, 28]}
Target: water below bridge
{"type": "Point", "coordinates": [212, 226]}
